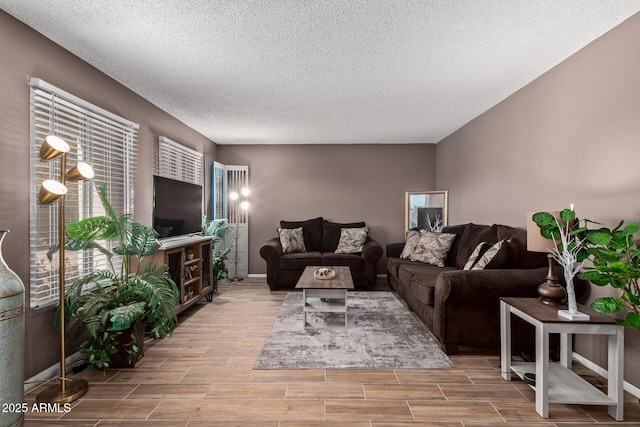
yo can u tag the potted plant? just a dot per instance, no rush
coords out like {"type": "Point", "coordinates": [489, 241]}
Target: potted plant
{"type": "Point", "coordinates": [120, 301]}
{"type": "Point", "coordinates": [189, 253]}
{"type": "Point", "coordinates": [219, 229]}
{"type": "Point", "coordinates": [614, 255]}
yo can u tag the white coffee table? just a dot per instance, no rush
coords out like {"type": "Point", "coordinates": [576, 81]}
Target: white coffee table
{"type": "Point", "coordinates": [325, 295]}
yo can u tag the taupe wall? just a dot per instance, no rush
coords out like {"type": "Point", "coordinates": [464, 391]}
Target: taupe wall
{"type": "Point", "coordinates": [343, 183]}
{"type": "Point", "coordinates": [23, 53]}
{"type": "Point", "coordinates": [571, 136]}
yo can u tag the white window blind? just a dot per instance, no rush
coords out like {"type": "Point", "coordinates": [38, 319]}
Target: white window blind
{"type": "Point", "coordinates": [105, 141]}
{"type": "Point", "coordinates": [178, 162]}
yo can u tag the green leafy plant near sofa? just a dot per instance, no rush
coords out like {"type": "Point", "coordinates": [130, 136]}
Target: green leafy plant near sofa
{"type": "Point", "coordinates": [219, 229]}
{"type": "Point", "coordinates": [614, 255]}
{"type": "Point", "coordinates": [118, 299]}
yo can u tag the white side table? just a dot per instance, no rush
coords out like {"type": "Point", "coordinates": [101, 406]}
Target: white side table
{"type": "Point", "coordinates": [555, 382]}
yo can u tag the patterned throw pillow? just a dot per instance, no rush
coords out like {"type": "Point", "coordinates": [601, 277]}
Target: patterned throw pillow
{"type": "Point", "coordinates": [432, 248]}
{"type": "Point", "coordinates": [413, 236]}
{"type": "Point", "coordinates": [352, 240]}
{"type": "Point", "coordinates": [292, 240]}
{"type": "Point", "coordinates": [476, 254]}
{"type": "Point", "coordinates": [489, 255]}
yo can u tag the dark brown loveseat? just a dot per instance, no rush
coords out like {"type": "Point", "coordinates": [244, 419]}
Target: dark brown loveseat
{"type": "Point", "coordinates": [461, 307]}
{"type": "Point", "coordinates": [321, 239]}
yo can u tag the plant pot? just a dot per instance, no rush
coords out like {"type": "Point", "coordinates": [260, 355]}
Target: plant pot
{"type": "Point", "coordinates": [121, 360]}
{"type": "Point", "coordinates": [189, 257]}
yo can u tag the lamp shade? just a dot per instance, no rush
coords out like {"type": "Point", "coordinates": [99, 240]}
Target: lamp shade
{"type": "Point", "coordinates": [50, 191]}
{"type": "Point", "coordinates": [535, 241]}
{"type": "Point", "coordinates": [52, 147]}
{"type": "Point", "coordinates": [80, 172]}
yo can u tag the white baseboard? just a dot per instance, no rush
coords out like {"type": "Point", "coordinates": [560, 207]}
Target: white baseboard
{"type": "Point", "coordinates": [630, 388]}
{"type": "Point", "coordinates": [51, 373]}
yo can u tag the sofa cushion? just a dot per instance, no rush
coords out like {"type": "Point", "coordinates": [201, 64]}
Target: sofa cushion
{"type": "Point", "coordinates": [291, 240]}
{"type": "Point", "coordinates": [355, 262]}
{"type": "Point", "coordinates": [331, 233]}
{"type": "Point", "coordinates": [393, 265]}
{"type": "Point", "coordinates": [477, 253]}
{"type": "Point", "coordinates": [526, 259]}
{"type": "Point", "coordinates": [458, 230]}
{"type": "Point", "coordinates": [352, 240]}
{"type": "Point", "coordinates": [503, 254]}
{"type": "Point", "coordinates": [432, 248]}
{"type": "Point", "coordinates": [473, 235]}
{"type": "Point", "coordinates": [300, 260]}
{"type": "Point", "coordinates": [421, 279]}
{"type": "Point", "coordinates": [411, 240]}
{"type": "Point", "coordinates": [311, 231]}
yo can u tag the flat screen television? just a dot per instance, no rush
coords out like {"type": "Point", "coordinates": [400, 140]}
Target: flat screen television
{"type": "Point", "coordinates": [177, 207]}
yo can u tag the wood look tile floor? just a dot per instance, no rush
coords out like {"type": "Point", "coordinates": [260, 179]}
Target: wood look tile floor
{"type": "Point", "coordinates": [203, 376]}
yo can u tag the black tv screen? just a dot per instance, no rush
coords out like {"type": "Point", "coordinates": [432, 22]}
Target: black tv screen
{"type": "Point", "coordinates": [177, 207]}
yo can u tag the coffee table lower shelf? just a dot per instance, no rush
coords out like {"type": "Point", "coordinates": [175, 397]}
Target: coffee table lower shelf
{"type": "Point", "coordinates": [323, 304]}
{"type": "Point", "coordinates": [565, 386]}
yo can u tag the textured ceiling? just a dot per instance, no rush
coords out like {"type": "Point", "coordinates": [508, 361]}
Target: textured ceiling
{"type": "Point", "coordinates": [323, 71]}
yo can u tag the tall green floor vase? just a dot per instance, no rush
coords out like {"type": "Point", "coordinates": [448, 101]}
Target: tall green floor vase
{"type": "Point", "coordinates": [11, 344]}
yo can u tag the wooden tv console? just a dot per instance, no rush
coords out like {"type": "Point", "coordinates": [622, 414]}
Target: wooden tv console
{"type": "Point", "coordinates": [195, 275]}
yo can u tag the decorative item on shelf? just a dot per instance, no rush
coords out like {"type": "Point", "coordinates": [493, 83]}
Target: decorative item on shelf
{"type": "Point", "coordinates": [11, 340]}
{"type": "Point", "coordinates": [55, 147]}
{"type": "Point", "coordinates": [189, 254]}
{"type": "Point", "coordinates": [614, 255]}
{"type": "Point", "coordinates": [238, 206]}
{"type": "Point", "coordinates": [188, 271]}
{"type": "Point", "coordinates": [550, 291]}
{"type": "Point", "coordinates": [324, 273]}
{"type": "Point", "coordinates": [567, 252]}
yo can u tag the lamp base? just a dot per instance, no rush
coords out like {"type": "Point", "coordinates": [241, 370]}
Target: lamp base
{"type": "Point", "coordinates": [550, 292]}
{"type": "Point", "coordinates": [74, 390]}
{"type": "Point", "coordinates": [573, 316]}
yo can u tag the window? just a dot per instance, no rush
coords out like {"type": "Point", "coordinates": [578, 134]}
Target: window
{"type": "Point", "coordinates": [105, 141]}
{"type": "Point", "coordinates": [176, 161]}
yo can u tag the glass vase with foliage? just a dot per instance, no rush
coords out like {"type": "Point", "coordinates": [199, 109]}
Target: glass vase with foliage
{"type": "Point", "coordinates": [218, 229]}
{"type": "Point", "coordinates": [614, 257]}
{"type": "Point", "coordinates": [106, 303]}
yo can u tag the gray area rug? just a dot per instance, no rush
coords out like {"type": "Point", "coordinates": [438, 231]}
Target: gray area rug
{"type": "Point", "coordinates": [381, 334]}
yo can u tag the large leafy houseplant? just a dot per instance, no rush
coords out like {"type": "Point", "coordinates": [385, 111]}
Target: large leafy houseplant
{"type": "Point", "coordinates": [219, 229]}
{"type": "Point", "coordinates": [614, 256]}
{"type": "Point", "coordinates": [118, 298]}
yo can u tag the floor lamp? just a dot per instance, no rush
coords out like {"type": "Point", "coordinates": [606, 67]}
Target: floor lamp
{"type": "Point", "coordinates": [244, 205]}
{"type": "Point", "coordinates": [50, 191]}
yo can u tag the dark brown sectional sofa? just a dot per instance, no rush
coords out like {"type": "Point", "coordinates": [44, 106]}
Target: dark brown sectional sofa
{"type": "Point", "coordinates": [321, 239]}
{"type": "Point", "coordinates": [461, 307]}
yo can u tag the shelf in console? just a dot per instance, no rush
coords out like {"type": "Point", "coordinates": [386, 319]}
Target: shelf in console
{"type": "Point", "coordinates": [177, 241]}
{"type": "Point", "coordinates": [191, 281]}
{"type": "Point", "coordinates": [565, 386]}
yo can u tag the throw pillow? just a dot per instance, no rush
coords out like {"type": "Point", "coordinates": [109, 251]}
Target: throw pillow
{"type": "Point", "coordinates": [476, 254]}
{"type": "Point", "coordinates": [292, 240]}
{"type": "Point", "coordinates": [352, 240]}
{"type": "Point", "coordinates": [497, 256]}
{"type": "Point", "coordinates": [432, 248]}
{"type": "Point", "coordinates": [413, 236]}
